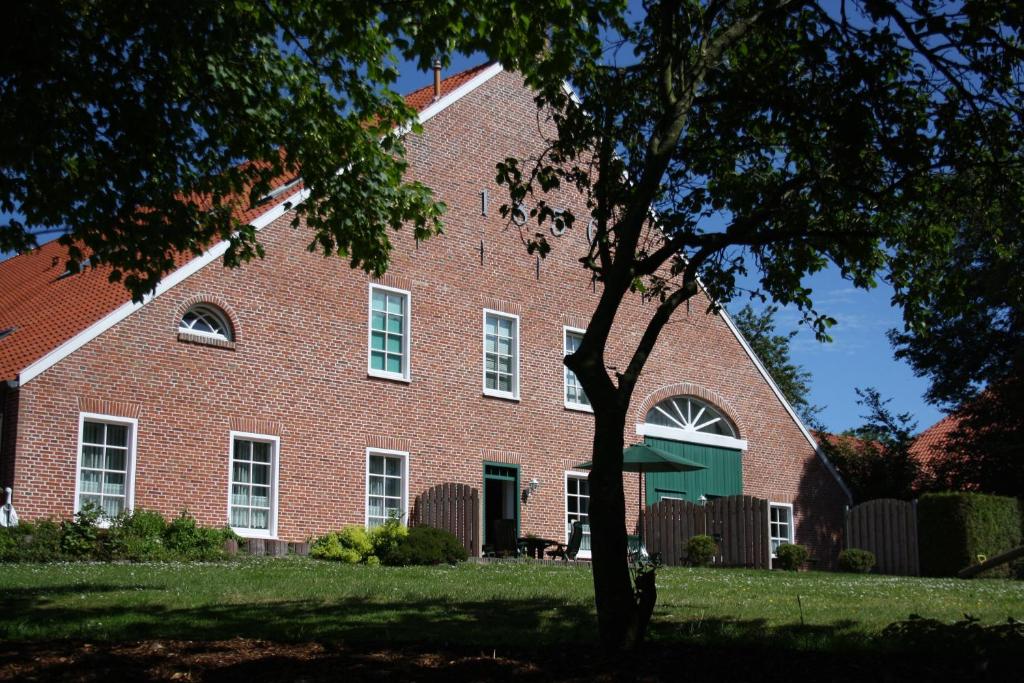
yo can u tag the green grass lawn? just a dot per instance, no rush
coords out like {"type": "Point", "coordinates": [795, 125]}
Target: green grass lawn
{"type": "Point", "coordinates": [517, 605]}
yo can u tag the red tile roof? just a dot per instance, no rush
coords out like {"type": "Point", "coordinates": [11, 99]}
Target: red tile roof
{"type": "Point", "coordinates": [931, 443]}
{"type": "Point", "coordinates": [45, 309]}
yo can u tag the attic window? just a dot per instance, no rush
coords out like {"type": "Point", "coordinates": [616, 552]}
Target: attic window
{"type": "Point", "coordinates": [6, 332]}
{"type": "Point", "coordinates": [81, 266]}
{"type": "Point", "coordinates": [206, 321]}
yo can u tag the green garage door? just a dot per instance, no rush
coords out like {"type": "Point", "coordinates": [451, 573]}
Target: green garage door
{"type": "Point", "coordinates": [723, 476]}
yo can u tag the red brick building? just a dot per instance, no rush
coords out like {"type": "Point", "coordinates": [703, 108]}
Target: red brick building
{"type": "Point", "coordinates": [294, 395]}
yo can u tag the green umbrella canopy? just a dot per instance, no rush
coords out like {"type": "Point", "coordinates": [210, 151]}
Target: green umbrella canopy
{"type": "Point", "coordinates": [643, 458]}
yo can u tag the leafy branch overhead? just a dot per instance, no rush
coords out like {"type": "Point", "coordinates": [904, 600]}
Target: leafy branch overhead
{"type": "Point", "coordinates": [725, 142]}
{"type": "Point", "coordinates": [145, 132]}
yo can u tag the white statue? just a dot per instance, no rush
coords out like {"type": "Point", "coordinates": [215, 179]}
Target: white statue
{"type": "Point", "coordinates": [8, 517]}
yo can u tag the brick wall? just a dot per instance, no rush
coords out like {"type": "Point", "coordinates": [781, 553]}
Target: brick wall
{"type": "Point", "coordinates": [298, 367]}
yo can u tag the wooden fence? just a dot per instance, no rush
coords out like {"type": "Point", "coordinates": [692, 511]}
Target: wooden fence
{"type": "Point", "coordinates": [738, 523]}
{"type": "Point", "coordinates": [453, 507]}
{"type": "Point", "coordinates": [888, 528]}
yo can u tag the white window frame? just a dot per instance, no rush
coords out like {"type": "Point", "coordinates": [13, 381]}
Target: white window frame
{"type": "Point", "coordinates": [792, 527]}
{"type": "Point", "coordinates": [574, 474]}
{"type": "Point", "coordinates": [213, 311]}
{"type": "Point", "coordinates": [510, 395]}
{"type": "Point", "coordinates": [275, 449]}
{"type": "Point", "coordinates": [406, 374]}
{"type": "Point", "coordinates": [129, 484]}
{"type": "Point", "coordinates": [404, 456]}
{"type": "Point", "coordinates": [584, 407]}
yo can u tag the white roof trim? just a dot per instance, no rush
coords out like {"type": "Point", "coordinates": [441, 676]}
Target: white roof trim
{"type": "Point", "coordinates": [455, 95]}
{"type": "Point", "coordinates": [782, 399]}
{"type": "Point", "coordinates": [117, 315]}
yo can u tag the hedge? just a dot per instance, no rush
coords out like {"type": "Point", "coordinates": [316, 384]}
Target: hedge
{"type": "Point", "coordinates": [955, 528]}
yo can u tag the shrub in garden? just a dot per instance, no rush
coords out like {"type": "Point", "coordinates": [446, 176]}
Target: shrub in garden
{"type": "Point", "coordinates": [790, 556]}
{"type": "Point", "coordinates": [856, 560]}
{"type": "Point", "coordinates": [80, 537]}
{"type": "Point", "coordinates": [351, 545]}
{"type": "Point", "coordinates": [187, 540]}
{"type": "Point", "coordinates": [426, 545]}
{"type": "Point", "coordinates": [137, 535]}
{"type": "Point", "coordinates": [700, 549]}
{"type": "Point", "coordinates": [387, 536]}
{"type": "Point", "coordinates": [31, 542]}
{"type": "Point", "coordinates": [955, 528]}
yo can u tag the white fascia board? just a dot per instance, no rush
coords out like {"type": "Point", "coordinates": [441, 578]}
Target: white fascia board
{"type": "Point", "coordinates": [455, 95]}
{"type": "Point", "coordinates": [782, 399]}
{"type": "Point", "coordinates": [215, 252]}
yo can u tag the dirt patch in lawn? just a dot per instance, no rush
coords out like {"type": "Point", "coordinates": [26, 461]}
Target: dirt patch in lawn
{"type": "Point", "coordinates": [251, 660]}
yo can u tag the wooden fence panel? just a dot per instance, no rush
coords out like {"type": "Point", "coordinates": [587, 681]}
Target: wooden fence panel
{"type": "Point", "coordinates": [454, 508]}
{"type": "Point", "coordinates": [888, 528]}
{"type": "Point", "coordinates": [740, 523]}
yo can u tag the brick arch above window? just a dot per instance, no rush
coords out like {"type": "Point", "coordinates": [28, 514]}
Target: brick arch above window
{"type": "Point", "coordinates": [220, 309]}
{"type": "Point", "coordinates": [716, 400]}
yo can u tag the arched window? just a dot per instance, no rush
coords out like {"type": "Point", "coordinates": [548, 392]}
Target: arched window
{"type": "Point", "coordinates": [207, 321]}
{"type": "Point", "coordinates": [686, 418]}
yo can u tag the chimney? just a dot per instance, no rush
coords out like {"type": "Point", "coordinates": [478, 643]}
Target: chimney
{"type": "Point", "coordinates": [437, 79]}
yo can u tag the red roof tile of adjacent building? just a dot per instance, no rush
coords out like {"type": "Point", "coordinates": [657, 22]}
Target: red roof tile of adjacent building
{"type": "Point", "coordinates": [45, 308]}
{"type": "Point", "coordinates": [931, 443]}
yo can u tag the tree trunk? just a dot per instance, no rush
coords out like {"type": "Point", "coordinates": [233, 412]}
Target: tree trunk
{"type": "Point", "coordinates": [618, 619]}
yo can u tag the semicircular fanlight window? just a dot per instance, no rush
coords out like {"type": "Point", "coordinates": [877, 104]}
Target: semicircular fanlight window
{"type": "Point", "coordinates": [207, 321]}
{"type": "Point", "coordinates": [690, 415]}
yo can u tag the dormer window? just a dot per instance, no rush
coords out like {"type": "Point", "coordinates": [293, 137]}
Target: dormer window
{"type": "Point", "coordinates": [207, 321]}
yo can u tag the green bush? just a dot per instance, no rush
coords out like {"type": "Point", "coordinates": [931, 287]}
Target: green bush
{"type": "Point", "coordinates": [955, 528]}
{"type": "Point", "coordinates": [790, 556]}
{"type": "Point", "coordinates": [351, 545]}
{"type": "Point", "coordinates": [31, 542]}
{"type": "Point", "coordinates": [41, 541]}
{"type": "Point", "coordinates": [426, 545]}
{"type": "Point", "coordinates": [856, 561]}
{"type": "Point", "coordinates": [80, 537]}
{"type": "Point", "coordinates": [700, 549]}
{"type": "Point", "coordinates": [186, 540]}
{"type": "Point", "coordinates": [387, 536]}
{"type": "Point", "coordinates": [138, 536]}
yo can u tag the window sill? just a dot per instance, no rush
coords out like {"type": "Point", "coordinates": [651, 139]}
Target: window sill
{"type": "Point", "coordinates": [579, 407]}
{"type": "Point", "coordinates": [388, 376]}
{"type": "Point", "coordinates": [252, 533]}
{"type": "Point", "coordinates": [202, 340]}
{"type": "Point", "coordinates": [505, 396]}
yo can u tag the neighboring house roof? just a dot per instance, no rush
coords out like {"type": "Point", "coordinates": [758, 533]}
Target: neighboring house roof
{"type": "Point", "coordinates": [930, 445]}
{"type": "Point", "coordinates": [47, 308]}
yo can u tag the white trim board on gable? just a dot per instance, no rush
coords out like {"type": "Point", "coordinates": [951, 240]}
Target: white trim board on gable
{"type": "Point", "coordinates": [76, 342]}
{"type": "Point", "coordinates": [785, 403]}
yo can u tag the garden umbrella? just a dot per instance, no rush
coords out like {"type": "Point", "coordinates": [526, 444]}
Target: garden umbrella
{"type": "Point", "coordinates": [642, 458]}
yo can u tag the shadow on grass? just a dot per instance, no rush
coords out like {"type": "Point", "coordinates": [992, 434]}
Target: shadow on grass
{"type": "Point", "coordinates": [525, 639]}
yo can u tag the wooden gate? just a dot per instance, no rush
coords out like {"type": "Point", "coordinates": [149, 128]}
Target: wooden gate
{"type": "Point", "coordinates": [738, 523]}
{"type": "Point", "coordinates": [888, 528]}
{"type": "Point", "coordinates": [453, 507]}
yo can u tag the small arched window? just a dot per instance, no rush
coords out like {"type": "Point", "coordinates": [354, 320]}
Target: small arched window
{"type": "Point", "coordinates": [691, 415]}
{"type": "Point", "coordinates": [206, 321]}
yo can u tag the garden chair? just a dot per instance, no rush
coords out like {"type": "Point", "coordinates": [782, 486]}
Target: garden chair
{"type": "Point", "coordinates": [569, 551]}
{"type": "Point", "coordinates": [505, 543]}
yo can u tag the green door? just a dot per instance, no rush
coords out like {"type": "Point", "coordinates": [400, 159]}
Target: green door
{"type": "Point", "coordinates": [723, 476]}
